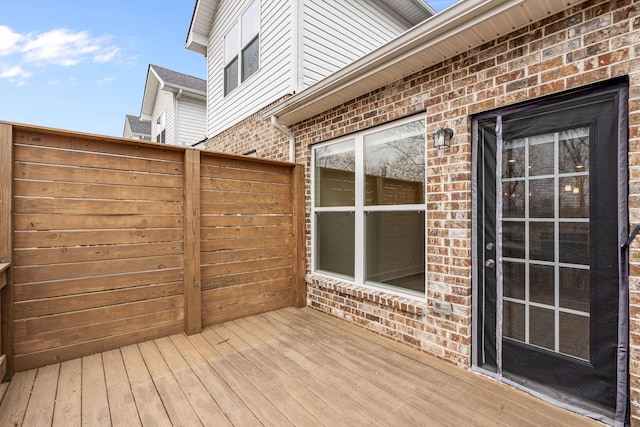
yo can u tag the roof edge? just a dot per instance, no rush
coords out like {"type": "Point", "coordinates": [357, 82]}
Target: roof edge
{"type": "Point", "coordinates": [456, 20]}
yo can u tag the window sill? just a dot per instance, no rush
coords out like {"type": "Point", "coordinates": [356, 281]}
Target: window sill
{"type": "Point", "coordinates": [406, 304]}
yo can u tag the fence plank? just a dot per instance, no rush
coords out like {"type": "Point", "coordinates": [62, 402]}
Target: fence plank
{"type": "Point", "coordinates": [6, 245]}
{"type": "Point", "coordinates": [192, 278]}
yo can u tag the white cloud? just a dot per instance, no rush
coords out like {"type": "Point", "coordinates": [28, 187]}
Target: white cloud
{"type": "Point", "coordinates": [106, 80]}
{"type": "Point", "coordinates": [106, 55]}
{"type": "Point", "coordinates": [60, 46]}
{"type": "Point", "coordinates": [9, 40]}
{"type": "Point", "coordinates": [15, 74]}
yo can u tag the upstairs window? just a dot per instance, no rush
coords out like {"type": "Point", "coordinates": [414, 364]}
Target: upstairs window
{"type": "Point", "coordinates": [242, 48]}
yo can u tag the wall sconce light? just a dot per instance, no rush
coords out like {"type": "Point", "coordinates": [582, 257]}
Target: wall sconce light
{"type": "Point", "coordinates": [442, 138]}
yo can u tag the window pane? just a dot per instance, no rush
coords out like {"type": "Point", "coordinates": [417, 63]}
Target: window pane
{"type": "Point", "coordinates": [575, 335]}
{"type": "Point", "coordinates": [513, 320]}
{"type": "Point", "coordinates": [541, 241]}
{"type": "Point", "coordinates": [513, 279]}
{"type": "Point", "coordinates": [575, 290]}
{"type": "Point", "coordinates": [574, 197]}
{"type": "Point", "coordinates": [394, 165]}
{"type": "Point", "coordinates": [250, 22]}
{"type": "Point", "coordinates": [574, 150]}
{"type": "Point", "coordinates": [251, 58]}
{"type": "Point", "coordinates": [541, 154]}
{"type": "Point", "coordinates": [335, 245]}
{"type": "Point", "coordinates": [513, 199]}
{"type": "Point", "coordinates": [542, 327]}
{"type": "Point", "coordinates": [231, 44]}
{"type": "Point", "coordinates": [574, 243]}
{"type": "Point", "coordinates": [231, 76]}
{"type": "Point", "coordinates": [395, 249]}
{"type": "Point", "coordinates": [335, 178]}
{"type": "Point", "coordinates": [542, 284]}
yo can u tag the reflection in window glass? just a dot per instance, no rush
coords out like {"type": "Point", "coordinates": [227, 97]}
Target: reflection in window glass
{"type": "Point", "coordinates": [575, 335]}
{"type": "Point", "coordinates": [395, 249]}
{"type": "Point", "coordinates": [513, 199]}
{"type": "Point", "coordinates": [541, 155]}
{"type": "Point", "coordinates": [335, 239]}
{"type": "Point", "coordinates": [541, 194]}
{"type": "Point", "coordinates": [574, 150]}
{"type": "Point", "coordinates": [513, 280]}
{"type": "Point", "coordinates": [513, 239]}
{"type": "Point", "coordinates": [394, 165]}
{"type": "Point", "coordinates": [575, 289]}
{"type": "Point", "coordinates": [541, 241]}
{"type": "Point", "coordinates": [335, 174]}
{"type": "Point", "coordinates": [513, 160]}
{"type": "Point", "coordinates": [513, 324]}
{"type": "Point", "coordinates": [574, 243]}
{"type": "Point", "coordinates": [573, 196]}
{"type": "Point", "coordinates": [250, 59]}
{"type": "Point", "coordinates": [542, 329]}
{"type": "Point", "coordinates": [541, 284]}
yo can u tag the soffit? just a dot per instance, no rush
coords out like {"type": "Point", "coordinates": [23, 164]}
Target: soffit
{"type": "Point", "coordinates": [466, 25]}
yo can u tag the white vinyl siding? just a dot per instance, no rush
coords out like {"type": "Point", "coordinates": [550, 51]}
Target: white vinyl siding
{"type": "Point", "coordinates": [163, 109]}
{"type": "Point", "coordinates": [269, 83]}
{"type": "Point", "coordinates": [191, 116]}
{"type": "Point", "coordinates": [336, 33]}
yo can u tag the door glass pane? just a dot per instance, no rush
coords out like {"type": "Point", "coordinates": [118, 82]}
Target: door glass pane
{"type": "Point", "coordinates": [513, 159]}
{"type": "Point", "coordinates": [574, 150]}
{"type": "Point", "coordinates": [513, 199]}
{"type": "Point", "coordinates": [514, 321]}
{"type": "Point", "coordinates": [541, 241]}
{"type": "Point", "coordinates": [542, 330]}
{"type": "Point", "coordinates": [394, 165]}
{"type": "Point", "coordinates": [574, 289]}
{"type": "Point", "coordinates": [513, 239]}
{"type": "Point", "coordinates": [541, 284]}
{"type": "Point", "coordinates": [335, 242]}
{"type": "Point", "coordinates": [573, 196]}
{"type": "Point", "coordinates": [574, 335]}
{"type": "Point", "coordinates": [541, 194]}
{"type": "Point", "coordinates": [395, 249]}
{"type": "Point", "coordinates": [541, 155]}
{"type": "Point", "coordinates": [513, 280]}
{"type": "Point", "coordinates": [335, 176]}
{"type": "Point", "coordinates": [574, 243]}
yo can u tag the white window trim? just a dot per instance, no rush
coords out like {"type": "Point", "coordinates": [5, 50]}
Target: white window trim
{"type": "Point", "coordinates": [359, 266]}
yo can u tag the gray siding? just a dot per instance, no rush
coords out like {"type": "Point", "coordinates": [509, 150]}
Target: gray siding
{"type": "Point", "coordinates": [191, 119]}
{"type": "Point", "coordinates": [273, 79]}
{"type": "Point", "coordinates": [336, 33]}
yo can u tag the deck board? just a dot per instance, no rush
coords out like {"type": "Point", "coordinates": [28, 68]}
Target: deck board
{"type": "Point", "coordinates": [287, 367]}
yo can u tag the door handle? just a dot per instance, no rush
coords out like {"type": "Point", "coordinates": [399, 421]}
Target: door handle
{"type": "Point", "coordinates": [490, 263]}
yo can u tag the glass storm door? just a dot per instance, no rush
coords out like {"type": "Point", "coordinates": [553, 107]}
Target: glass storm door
{"type": "Point", "coordinates": [547, 247]}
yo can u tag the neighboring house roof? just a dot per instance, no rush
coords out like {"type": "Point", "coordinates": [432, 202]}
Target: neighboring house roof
{"type": "Point", "coordinates": [413, 11]}
{"type": "Point", "coordinates": [465, 25]}
{"type": "Point", "coordinates": [159, 78]}
{"type": "Point", "coordinates": [137, 126]}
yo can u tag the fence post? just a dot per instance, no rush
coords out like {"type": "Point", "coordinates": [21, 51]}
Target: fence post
{"type": "Point", "coordinates": [192, 274]}
{"type": "Point", "coordinates": [6, 250]}
{"type": "Point", "coordinates": [299, 244]}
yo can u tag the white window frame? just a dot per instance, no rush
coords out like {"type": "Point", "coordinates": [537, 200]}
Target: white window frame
{"type": "Point", "coordinates": [359, 210]}
{"type": "Point", "coordinates": [240, 36]}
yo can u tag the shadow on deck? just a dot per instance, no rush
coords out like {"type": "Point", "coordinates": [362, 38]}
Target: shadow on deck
{"type": "Point", "coordinates": [288, 367]}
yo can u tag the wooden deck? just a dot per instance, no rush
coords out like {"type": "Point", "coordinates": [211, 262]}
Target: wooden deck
{"type": "Point", "coordinates": [288, 367]}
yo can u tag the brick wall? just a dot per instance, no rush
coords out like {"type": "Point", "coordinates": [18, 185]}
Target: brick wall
{"type": "Point", "coordinates": [592, 42]}
{"type": "Point", "coordinates": [252, 134]}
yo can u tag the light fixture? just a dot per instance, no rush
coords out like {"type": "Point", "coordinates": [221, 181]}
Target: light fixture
{"type": "Point", "coordinates": [442, 138]}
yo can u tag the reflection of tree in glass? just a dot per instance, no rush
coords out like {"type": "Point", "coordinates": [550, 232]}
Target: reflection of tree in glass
{"type": "Point", "coordinates": [574, 150]}
{"type": "Point", "coordinates": [397, 153]}
{"type": "Point", "coordinates": [339, 156]}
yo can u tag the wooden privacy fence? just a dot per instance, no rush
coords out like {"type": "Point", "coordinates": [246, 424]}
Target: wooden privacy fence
{"type": "Point", "coordinates": [112, 242]}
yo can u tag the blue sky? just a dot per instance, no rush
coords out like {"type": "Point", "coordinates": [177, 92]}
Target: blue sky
{"type": "Point", "coordinates": [82, 65]}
